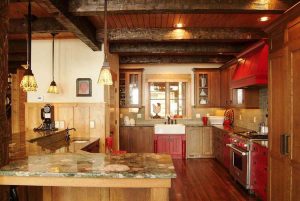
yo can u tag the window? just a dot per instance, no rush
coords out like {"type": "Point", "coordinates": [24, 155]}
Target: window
{"type": "Point", "coordinates": [167, 98]}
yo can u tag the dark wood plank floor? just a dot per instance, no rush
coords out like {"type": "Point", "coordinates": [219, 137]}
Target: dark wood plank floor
{"type": "Point", "coordinates": [205, 180]}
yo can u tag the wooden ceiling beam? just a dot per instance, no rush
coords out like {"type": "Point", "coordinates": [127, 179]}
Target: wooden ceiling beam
{"type": "Point", "coordinates": [176, 48]}
{"type": "Point", "coordinates": [79, 26]}
{"type": "Point", "coordinates": [181, 35]}
{"type": "Point", "coordinates": [155, 59]}
{"type": "Point", "coordinates": [95, 7]}
{"type": "Point", "coordinates": [40, 25]}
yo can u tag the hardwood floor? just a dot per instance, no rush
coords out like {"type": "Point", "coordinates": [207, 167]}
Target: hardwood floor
{"type": "Point", "coordinates": [205, 180]}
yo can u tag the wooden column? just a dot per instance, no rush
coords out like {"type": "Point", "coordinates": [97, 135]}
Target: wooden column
{"type": "Point", "coordinates": [3, 79]}
{"type": "Point", "coordinates": [3, 88]}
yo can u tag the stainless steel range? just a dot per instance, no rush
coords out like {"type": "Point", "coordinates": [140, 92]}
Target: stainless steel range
{"type": "Point", "coordinates": [240, 155]}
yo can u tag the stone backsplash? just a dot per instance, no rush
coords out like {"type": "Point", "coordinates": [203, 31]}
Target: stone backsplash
{"type": "Point", "coordinates": [246, 118]}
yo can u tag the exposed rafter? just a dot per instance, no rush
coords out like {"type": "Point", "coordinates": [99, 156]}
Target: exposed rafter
{"type": "Point", "coordinates": [40, 25]}
{"type": "Point", "coordinates": [79, 26]}
{"type": "Point", "coordinates": [154, 59]}
{"type": "Point", "coordinates": [176, 48]}
{"type": "Point", "coordinates": [84, 7]}
{"type": "Point", "coordinates": [181, 35]}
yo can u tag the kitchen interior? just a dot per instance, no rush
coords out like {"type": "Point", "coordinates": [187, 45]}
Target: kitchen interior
{"type": "Point", "coordinates": [141, 94]}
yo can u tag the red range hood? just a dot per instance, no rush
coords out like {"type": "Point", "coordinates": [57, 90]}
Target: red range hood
{"type": "Point", "coordinates": [252, 67]}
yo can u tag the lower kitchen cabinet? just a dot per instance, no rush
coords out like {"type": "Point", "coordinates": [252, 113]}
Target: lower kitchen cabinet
{"type": "Point", "coordinates": [199, 142]}
{"type": "Point", "coordinates": [221, 151]}
{"type": "Point", "coordinates": [137, 139]}
{"type": "Point", "coordinates": [170, 144]}
{"type": "Point", "coordinates": [259, 170]}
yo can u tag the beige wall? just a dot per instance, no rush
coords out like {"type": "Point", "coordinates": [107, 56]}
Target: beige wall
{"type": "Point", "coordinates": [73, 59]}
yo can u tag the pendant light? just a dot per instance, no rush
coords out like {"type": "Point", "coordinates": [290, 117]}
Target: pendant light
{"type": "Point", "coordinates": [28, 82]}
{"type": "Point", "coordinates": [105, 77]}
{"type": "Point", "coordinates": [53, 88]}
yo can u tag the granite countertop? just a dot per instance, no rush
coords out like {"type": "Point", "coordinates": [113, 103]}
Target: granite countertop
{"type": "Point", "coordinates": [31, 143]}
{"type": "Point", "coordinates": [143, 165]}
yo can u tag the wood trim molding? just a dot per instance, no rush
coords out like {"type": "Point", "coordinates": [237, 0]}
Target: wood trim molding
{"type": "Point", "coordinates": [168, 78]}
{"type": "Point", "coordinates": [86, 182]}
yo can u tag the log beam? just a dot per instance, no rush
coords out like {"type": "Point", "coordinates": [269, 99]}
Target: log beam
{"type": "Point", "coordinates": [176, 48]}
{"type": "Point", "coordinates": [40, 25]}
{"type": "Point", "coordinates": [79, 26]}
{"type": "Point", "coordinates": [154, 59]}
{"type": "Point", "coordinates": [95, 7]}
{"type": "Point", "coordinates": [181, 35]}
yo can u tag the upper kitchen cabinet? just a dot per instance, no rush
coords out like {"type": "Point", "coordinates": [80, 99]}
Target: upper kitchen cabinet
{"type": "Point", "coordinates": [131, 87]}
{"type": "Point", "coordinates": [245, 98]}
{"type": "Point", "coordinates": [207, 87]}
{"type": "Point", "coordinates": [226, 90]}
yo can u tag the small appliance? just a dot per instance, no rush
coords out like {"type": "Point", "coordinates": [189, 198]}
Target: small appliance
{"type": "Point", "coordinates": [47, 116]}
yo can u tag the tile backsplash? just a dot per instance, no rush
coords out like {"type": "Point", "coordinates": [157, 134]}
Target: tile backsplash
{"type": "Point", "coordinates": [246, 118]}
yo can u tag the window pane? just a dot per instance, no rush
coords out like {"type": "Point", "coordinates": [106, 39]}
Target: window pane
{"type": "Point", "coordinates": [133, 89]}
{"type": "Point", "coordinates": [162, 112]}
{"type": "Point", "coordinates": [177, 107]}
{"type": "Point", "coordinates": [177, 90]}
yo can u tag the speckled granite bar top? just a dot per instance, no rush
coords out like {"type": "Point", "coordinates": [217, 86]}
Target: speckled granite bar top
{"type": "Point", "coordinates": [144, 165]}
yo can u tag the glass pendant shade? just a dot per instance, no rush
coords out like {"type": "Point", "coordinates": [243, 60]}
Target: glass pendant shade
{"type": "Point", "coordinates": [28, 82]}
{"type": "Point", "coordinates": [53, 88]}
{"type": "Point", "coordinates": [105, 77]}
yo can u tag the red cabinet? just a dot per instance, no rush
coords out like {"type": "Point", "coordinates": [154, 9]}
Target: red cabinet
{"type": "Point", "coordinates": [170, 144]}
{"type": "Point", "coordinates": [259, 170]}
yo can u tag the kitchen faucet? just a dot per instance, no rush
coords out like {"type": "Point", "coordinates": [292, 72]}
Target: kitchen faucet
{"type": "Point", "coordinates": [68, 133]}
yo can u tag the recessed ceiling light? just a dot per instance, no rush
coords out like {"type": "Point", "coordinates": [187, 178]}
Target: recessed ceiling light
{"type": "Point", "coordinates": [220, 53]}
{"type": "Point", "coordinates": [264, 19]}
{"type": "Point", "coordinates": [179, 25]}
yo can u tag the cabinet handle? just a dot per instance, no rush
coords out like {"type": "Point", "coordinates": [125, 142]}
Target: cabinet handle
{"type": "Point", "coordinates": [284, 144]}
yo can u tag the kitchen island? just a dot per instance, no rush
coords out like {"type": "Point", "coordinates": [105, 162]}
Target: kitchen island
{"type": "Point", "coordinates": [79, 175]}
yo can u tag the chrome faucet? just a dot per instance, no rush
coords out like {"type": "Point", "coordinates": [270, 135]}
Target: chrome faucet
{"type": "Point", "coordinates": [68, 133]}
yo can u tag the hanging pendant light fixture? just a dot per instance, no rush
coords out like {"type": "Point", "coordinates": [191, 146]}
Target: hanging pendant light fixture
{"type": "Point", "coordinates": [28, 82]}
{"type": "Point", "coordinates": [105, 77]}
{"type": "Point", "coordinates": [53, 88]}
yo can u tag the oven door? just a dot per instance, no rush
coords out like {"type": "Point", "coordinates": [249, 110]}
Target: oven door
{"type": "Point", "coordinates": [239, 166]}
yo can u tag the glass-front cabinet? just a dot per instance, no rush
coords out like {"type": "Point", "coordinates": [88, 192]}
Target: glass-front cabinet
{"type": "Point", "coordinates": [130, 87]}
{"type": "Point", "coordinates": [207, 87]}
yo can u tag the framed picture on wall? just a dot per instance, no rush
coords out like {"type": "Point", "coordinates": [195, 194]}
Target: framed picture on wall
{"type": "Point", "coordinates": [83, 87]}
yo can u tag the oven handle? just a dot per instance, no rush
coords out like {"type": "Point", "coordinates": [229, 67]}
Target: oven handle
{"type": "Point", "coordinates": [235, 149]}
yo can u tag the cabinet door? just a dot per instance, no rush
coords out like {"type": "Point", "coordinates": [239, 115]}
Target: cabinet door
{"type": "Point", "coordinates": [207, 144]}
{"type": "Point", "coordinates": [175, 146]}
{"type": "Point", "coordinates": [163, 144]}
{"type": "Point", "coordinates": [142, 139]}
{"type": "Point", "coordinates": [224, 86]}
{"type": "Point", "coordinates": [194, 142]}
{"type": "Point", "coordinates": [207, 88]}
{"type": "Point", "coordinates": [246, 98]}
{"type": "Point", "coordinates": [124, 139]}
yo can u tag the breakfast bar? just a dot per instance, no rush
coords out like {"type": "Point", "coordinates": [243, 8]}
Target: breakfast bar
{"type": "Point", "coordinates": [65, 170]}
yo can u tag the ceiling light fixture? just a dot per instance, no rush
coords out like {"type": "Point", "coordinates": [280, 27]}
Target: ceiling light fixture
{"type": "Point", "coordinates": [105, 77]}
{"type": "Point", "coordinates": [53, 88]}
{"type": "Point", "coordinates": [28, 82]}
{"type": "Point", "coordinates": [264, 19]}
{"type": "Point", "coordinates": [179, 25]}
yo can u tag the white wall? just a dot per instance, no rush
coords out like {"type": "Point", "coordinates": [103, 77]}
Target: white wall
{"type": "Point", "coordinates": [73, 59]}
{"type": "Point", "coordinates": [171, 69]}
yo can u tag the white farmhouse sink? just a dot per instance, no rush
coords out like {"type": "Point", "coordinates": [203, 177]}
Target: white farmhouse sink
{"type": "Point", "coordinates": [167, 129]}
{"type": "Point", "coordinates": [215, 120]}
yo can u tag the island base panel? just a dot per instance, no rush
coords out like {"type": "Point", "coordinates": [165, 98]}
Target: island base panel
{"type": "Point", "coordinates": [104, 194]}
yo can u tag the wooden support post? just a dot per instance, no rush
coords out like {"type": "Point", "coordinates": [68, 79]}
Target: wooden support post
{"type": "Point", "coordinates": [3, 87]}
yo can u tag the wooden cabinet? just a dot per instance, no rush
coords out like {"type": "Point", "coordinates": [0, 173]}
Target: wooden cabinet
{"type": "Point", "coordinates": [225, 88]}
{"type": "Point", "coordinates": [207, 87]}
{"type": "Point", "coordinates": [246, 98]}
{"type": "Point", "coordinates": [221, 152]}
{"type": "Point", "coordinates": [259, 170]}
{"type": "Point", "coordinates": [137, 139]}
{"type": "Point", "coordinates": [284, 108]}
{"type": "Point", "coordinates": [199, 142]}
{"type": "Point", "coordinates": [130, 87]}
{"type": "Point", "coordinates": [170, 144]}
